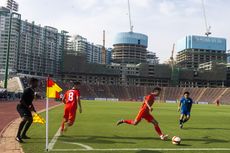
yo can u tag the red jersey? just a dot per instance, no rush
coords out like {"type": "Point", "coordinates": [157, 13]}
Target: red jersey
{"type": "Point", "coordinates": [150, 100]}
{"type": "Point", "coordinates": [70, 96]}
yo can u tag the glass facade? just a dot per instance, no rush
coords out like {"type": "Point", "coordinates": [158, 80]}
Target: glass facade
{"type": "Point", "coordinates": [195, 50]}
{"type": "Point", "coordinates": [131, 38]}
{"type": "Point", "coordinates": [201, 42]}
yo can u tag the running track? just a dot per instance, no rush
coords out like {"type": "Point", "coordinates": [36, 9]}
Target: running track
{"type": "Point", "coordinates": [8, 110]}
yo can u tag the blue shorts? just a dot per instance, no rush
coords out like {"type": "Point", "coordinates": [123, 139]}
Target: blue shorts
{"type": "Point", "coordinates": [183, 112]}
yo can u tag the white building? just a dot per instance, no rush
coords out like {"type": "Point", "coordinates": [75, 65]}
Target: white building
{"type": "Point", "coordinates": [80, 45]}
{"type": "Point", "coordinates": [152, 58]}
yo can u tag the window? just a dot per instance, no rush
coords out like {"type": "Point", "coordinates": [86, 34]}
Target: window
{"type": "Point", "coordinates": [139, 41]}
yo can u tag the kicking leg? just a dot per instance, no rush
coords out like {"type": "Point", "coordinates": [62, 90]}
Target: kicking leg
{"type": "Point", "coordinates": [148, 117]}
{"type": "Point", "coordinates": [158, 130]}
{"type": "Point", "coordinates": [71, 118]}
{"type": "Point", "coordinates": [156, 126]}
{"type": "Point", "coordinates": [181, 120]}
{"type": "Point", "coordinates": [67, 125]}
{"type": "Point", "coordinates": [186, 118]}
{"type": "Point", "coordinates": [68, 120]}
{"type": "Point", "coordinates": [63, 124]}
{"type": "Point", "coordinates": [131, 122]}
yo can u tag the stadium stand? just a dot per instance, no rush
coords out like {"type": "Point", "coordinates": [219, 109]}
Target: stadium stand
{"type": "Point", "coordinates": [14, 85]}
{"type": "Point", "coordinates": [225, 97]}
{"type": "Point", "coordinates": [195, 93]}
{"type": "Point", "coordinates": [3, 94]}
{"type": "Point", "coordinates": [136, 92]}
{"type": "Point", "coordinates": [119, 92]}
{"type": "Point", "coordinates": [129, 93]}
{"type": "Point", "coordinates": [172, 93]}
{"type": "Point", "coordinates": [211, 94]}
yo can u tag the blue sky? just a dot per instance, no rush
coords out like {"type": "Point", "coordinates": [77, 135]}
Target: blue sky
{"type": "Point", "coordinates": [164, 21]}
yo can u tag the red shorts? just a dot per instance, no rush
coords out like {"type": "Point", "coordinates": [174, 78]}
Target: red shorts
{"type": "Point", "coordinates": [70, 112]}
{"type": "Point", "coordinates": [144, 113]}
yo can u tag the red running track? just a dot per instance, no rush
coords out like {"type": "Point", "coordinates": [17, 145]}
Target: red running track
{"type": "Point", "coordinates": [8, 110]}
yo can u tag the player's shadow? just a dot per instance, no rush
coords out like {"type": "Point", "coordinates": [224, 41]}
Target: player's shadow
{"type": "Point", "coordinates": [148, 151]}
{"type": "Point", "coordinates": [105, 139]}
{"type": "Point", "coordinates": [92, 139]}
{"type": "Point", "coordinates": [205, 128]}
{"type": "Point", "coordinates": [208, 140]}
{"type": "Point", "coordinates": [134, 138]}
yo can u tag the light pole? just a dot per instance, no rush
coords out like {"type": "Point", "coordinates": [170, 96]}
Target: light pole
{"type": "Point", "coordinates": [12, 6]}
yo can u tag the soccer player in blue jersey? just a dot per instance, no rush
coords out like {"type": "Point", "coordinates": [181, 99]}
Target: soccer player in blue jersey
{"type": "Point", "coordinates": [184, 107]}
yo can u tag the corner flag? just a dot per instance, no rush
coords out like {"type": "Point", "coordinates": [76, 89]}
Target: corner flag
{"type": "Point", "coordinates": [52, 91]}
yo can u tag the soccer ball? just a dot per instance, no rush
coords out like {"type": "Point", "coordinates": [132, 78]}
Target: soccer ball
{"type": "Point", "coordinates": [176, 140]}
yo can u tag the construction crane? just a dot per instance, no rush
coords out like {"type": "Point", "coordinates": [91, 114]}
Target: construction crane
{"type": "Point", "coordinates": [174, 69]}
{"type": "Point", "coordinates": [103, 49]}
{"type": "Point", "coordinates": [208, 27]}
{"type": "Point", "coordinates": [172, 56]}
{"type": "Point", "coordinates": [130, 21]}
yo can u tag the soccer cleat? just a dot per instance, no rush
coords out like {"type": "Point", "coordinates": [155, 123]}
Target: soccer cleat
{"type": "Point", "coordinates": [25, 137]}
{"type": "Point", "coordinates": [120, 122]}
{"type": "Point", "coordinates": [181, 126]}
{"type": "Point", "coordinates": [164, 137]}
{"type": "Point", "coordinates": [19, 140]}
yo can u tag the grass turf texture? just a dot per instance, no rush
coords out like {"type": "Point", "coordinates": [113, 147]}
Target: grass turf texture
{"type": "Point", "coordinates": [209, 127]}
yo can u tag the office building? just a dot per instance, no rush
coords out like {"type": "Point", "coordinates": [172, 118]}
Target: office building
{"type": "Point", "coordinates": [195, 50]}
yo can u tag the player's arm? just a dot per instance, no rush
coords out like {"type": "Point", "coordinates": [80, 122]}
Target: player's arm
{"type": "Point", "coordinates": [179, 106]}
{"type": "Point", "coordinates": [32, 108]}
{"type": "Point", "coordinates": [79, 104]}
{"type": "Point", "coordinates": [190, 105]}
{"type": "Point", "coordinates": [22, 101]}
{"type": "Point", "coordinates": [147, 104]}
{"type": "Point", "coordinates": [63, 99]}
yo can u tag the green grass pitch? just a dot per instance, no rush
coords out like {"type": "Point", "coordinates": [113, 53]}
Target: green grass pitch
{"type": "Point", "coordinates": [208, 128]}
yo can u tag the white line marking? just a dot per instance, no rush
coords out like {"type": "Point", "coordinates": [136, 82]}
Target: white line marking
{"type": "Point", "coordinates": [147, 149]}
{"type": "Point", "coordinates": [54, 139]}
{"type": "Point", "coordinates": [80, 144]}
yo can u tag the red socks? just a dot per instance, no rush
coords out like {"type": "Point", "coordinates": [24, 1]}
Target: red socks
{"type": "Point", "coordinates": [62, 126]}
{"type": "Point", "coordinates": [158, 130]}
{"type": "Point", "coordinates": [128, 121]}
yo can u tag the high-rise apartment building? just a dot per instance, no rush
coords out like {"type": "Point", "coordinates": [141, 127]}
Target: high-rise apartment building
{"type": "Point", "coordinates": [93, 53]}
{"type": "Point", "coordinates": [34, 49]}
{"type": "Point", "coordinates": [14, 41]}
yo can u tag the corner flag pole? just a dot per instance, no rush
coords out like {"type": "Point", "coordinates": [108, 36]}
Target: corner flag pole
{"type": "Point", "coordinates": [47, 116]}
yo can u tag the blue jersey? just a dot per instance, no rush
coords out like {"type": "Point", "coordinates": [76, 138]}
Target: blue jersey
{"type": "Point", "coordinates": [186, 104]}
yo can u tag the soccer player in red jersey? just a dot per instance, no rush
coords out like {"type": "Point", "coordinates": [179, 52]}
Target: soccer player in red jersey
{"type": "Point", "coordinates": [71, 100]}
{"type": "Point", "coordinates": [144, 113]}
{"type": "Point", "coordinates": [217, 102]}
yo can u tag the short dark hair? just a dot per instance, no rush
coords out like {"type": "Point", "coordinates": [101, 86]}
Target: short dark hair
{"type": "Point", "coordinates": [186, 92]}
{"type": "Point", "coordinates": [33, 80]}
{"type": "Point", "coordinates": [76, 83]}
{"type": "Point", "coordinates": [156, 89]}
